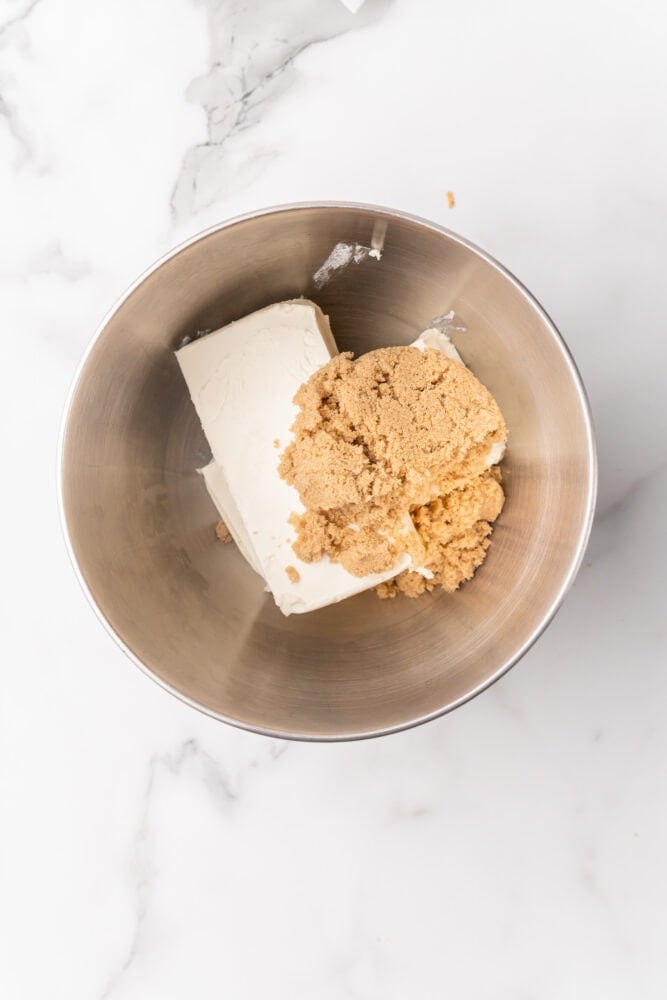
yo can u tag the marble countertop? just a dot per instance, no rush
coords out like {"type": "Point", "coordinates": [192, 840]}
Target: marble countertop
{"type": "Point", "coordinates": [514, 849]}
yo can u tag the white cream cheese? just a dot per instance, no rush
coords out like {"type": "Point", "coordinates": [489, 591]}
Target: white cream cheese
{"type": "Point", "coordinates": [242, 380]}
{"type": "Point", "coordinates": [216, 484]}
{"type": "Point", "coordinates": [435, 340]}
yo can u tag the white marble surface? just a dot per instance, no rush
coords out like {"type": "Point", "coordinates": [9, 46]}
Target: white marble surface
{"type": "Point", "coordinates": [514, 850]}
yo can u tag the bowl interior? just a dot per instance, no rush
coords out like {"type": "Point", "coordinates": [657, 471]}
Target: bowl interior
{"type": "Point", "coordinates": [189, 609]}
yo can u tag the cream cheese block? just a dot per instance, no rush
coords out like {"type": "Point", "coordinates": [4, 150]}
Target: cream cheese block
{"type": "Point", "coordinates": [242, 380]}
{"type": "Point", "coordinates": [220, 494]}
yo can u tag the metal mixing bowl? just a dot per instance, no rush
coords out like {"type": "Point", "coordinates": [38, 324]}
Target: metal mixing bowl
{"type": "Point", "coordinates": [188, 610]}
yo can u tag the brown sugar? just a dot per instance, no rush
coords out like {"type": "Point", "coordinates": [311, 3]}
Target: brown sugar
{"type": "Point", "coordinates": [222, 532]}
{"type": "Point", "coordinates": [293, 574]}
{"type": "Point", "coordinates": [451, 201]}
{"type": "Point", "coordinates": [390, 455]}
{"type": "Point", "coordinates": [455, 532]}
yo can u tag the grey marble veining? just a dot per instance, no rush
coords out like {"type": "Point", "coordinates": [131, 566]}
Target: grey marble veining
{"type": "Point", "coordinates": [252, 63]}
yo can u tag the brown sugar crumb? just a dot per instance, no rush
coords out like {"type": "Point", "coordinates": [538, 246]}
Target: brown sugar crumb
{"type": "Point", "coordinates": [451, 203]}
{"type": "Point", "coordinates": [293, 574]}
{"type": "Point", "coordinates": [390, 456]}
{"type": "Point", "coordinates": [454, 530]}
{"type": "Point", "coordinates": [276, 443]}
{"type": "Point", "coordinates": [222, 532]}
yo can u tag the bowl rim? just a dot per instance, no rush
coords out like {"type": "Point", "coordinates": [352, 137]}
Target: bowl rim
{"type": "Point", "coordinates": [579, 550]}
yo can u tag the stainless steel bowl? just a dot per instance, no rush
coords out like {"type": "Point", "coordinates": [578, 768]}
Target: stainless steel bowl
{"type": "Point", "coordinates": [188, 610]}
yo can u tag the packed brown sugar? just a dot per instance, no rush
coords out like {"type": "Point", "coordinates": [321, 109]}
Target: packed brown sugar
{"type": "Point", "coordinates": [390, 454]}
